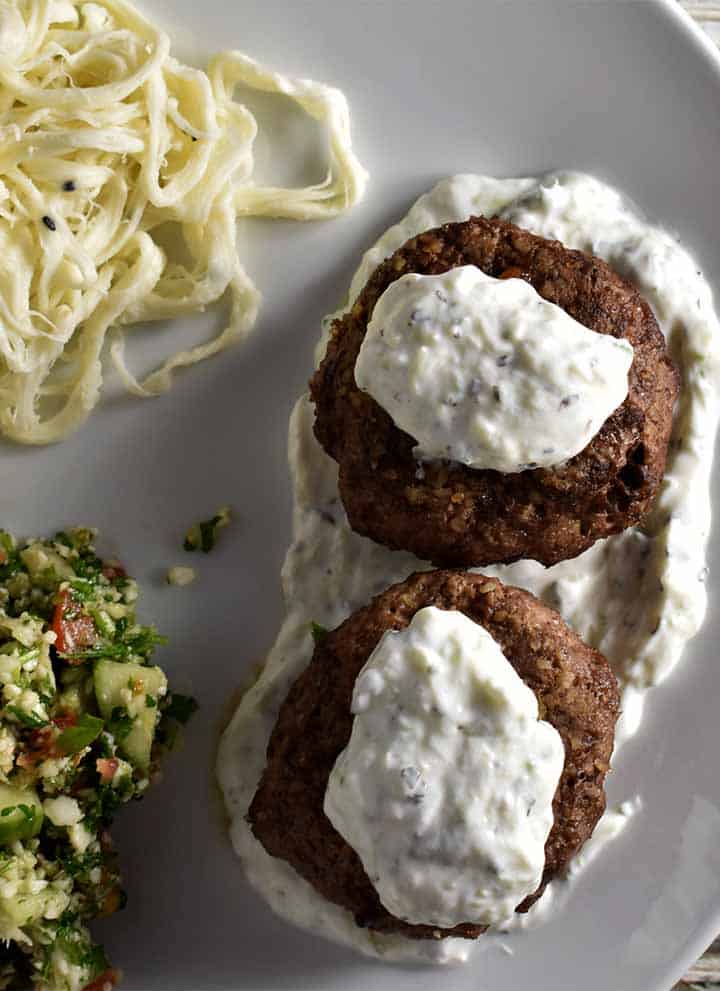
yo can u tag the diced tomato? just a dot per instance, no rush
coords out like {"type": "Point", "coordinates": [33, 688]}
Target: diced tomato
{"type": "Point", "coordinates": [114, 569]}
{"type": "Point", "coordinates": [65, 720]}
{"type": "Point", "coordinates": [105, 982]}
{"type": "Point", "coordinates": [40, 745]}
{"type": "Point", "coordinates": [106, 768]}
{"type": "Point", "coordinates": [73, 628]}
{"type": "Point", "coordinates": [112, 903]}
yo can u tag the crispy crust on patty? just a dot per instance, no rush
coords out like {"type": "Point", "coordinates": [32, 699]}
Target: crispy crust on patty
{"type": "Point", "coordinates": [461, 516]}
{"type": "Point", "coordinates": [576, 691]}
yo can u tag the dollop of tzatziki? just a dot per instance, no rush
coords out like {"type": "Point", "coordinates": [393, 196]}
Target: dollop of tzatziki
{"type": "Point", "coordinates": [487, 373]}
{"type": "Point", "coordinates": [445, 788]}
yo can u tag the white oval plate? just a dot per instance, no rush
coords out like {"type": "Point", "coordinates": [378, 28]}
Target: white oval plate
{"type": "Point", "coordinates": [629, 91]}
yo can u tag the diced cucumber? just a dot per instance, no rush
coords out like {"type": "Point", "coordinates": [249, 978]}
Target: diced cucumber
{"type": "Point", "coordinates": [21, 814]}
{"type": "Point", "coordinates": [112, 682]}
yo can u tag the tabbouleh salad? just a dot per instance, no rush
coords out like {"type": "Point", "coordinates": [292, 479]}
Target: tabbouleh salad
{"type": "Point", "coordinates": [84, 720]}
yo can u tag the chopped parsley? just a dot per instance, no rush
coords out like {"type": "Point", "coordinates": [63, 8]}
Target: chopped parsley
{"type": "Point", "coordinates": [76, 864]}
{"type": "Point", "coordinates": [125, 645]}
{"type": "Point", "coordinates": [81, 735]}
{"type": "Point", "coordinates": [30, 719]}
{"type": "Point", "coordinates": [119, 724]}
{"type": "Point", "coordinates": [77, 947]}
{"type": "Point", "coordinates": [180, 707]}
{"type": "Point", "coordinates": [318, 632]}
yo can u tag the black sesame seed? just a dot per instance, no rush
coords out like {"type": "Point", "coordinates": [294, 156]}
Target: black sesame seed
{"type": "Point", "coordinates": [503, 360]}
{"type": "Point", "coordinates": [68, 186]}
{"type": "Point", "coordinates": [49, 223]}
{"type": "Point", "coordinates": [475, 388]}
{"type": "Point", "coordinates": [410, 775]}
{"type": "Point", "coordinates": [496, 394]}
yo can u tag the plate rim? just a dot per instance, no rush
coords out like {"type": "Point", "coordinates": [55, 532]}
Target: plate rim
{"type": "Point", "coordinates": [699, 942]}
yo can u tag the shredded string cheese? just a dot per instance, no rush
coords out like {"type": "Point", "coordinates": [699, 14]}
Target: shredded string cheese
{"type": "Point", "coordinates": [104, 138]}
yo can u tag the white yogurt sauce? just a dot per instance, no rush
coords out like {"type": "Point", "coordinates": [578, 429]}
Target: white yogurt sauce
{"type": "Point", "coordinates": [445, 788]}
{"type": "Point", "coordinates": [464, 362]}
{"type": "Point", "coordinates": [638, 596]}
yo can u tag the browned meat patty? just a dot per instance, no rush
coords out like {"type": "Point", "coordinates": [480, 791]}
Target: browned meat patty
{"type": "Point", "coordinates": [575, 688]}
{"type": "Point", "coordinates": [461, 516]}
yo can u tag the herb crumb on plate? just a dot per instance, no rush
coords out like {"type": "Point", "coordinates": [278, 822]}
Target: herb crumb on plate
{"type": "Point", "coordinates": [203, 536]}
{"type": "Point", "coordinates": [180, 576]}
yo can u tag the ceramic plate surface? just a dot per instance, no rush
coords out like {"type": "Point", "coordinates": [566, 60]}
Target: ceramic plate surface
{"type": "Point", "coordinates": [628, 91]}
